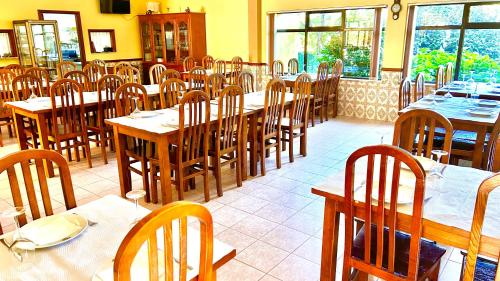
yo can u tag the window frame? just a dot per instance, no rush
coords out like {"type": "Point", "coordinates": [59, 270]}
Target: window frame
{"type": "Point", "coordinates": [465, 25]}
{"type": "Point", "coordinates": [111, 35]}
{"type": "Point", "coordinates": [343, 29]}
{"type": "Point", "coordinates": [12, 42]}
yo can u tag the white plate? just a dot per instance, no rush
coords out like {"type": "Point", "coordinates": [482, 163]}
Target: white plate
{"type": "Point", "coordinates": [54, 230]}
{"type": "Point", "coordinates": [426, 163]}
{"type": "Point", "coordinates": [431, 99]}
{"type": "Point", "coordinates": [144, 114]}
{"type": "Point", "coordinates": [39, 99]}
{"type": "Point", "coordinates": [487, 103]}
{"type": "Point", "coordinates": [480, 112]}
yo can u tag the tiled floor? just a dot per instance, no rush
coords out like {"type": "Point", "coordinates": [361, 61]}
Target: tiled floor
{"type": "Point", "coordinates": [274, 222]}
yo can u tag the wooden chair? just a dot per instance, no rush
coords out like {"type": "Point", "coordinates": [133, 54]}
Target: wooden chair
{"type": "Point", "coordinates": [271, 118]}
{"type": "Point", "coordinates": [155, 73]}
{"type": "Point", "coordinates": [120, 65]}
{"type": "Point", "coordinates": [79, 77]}
{"type": "Point", "coordinates": [416, 131]}
{"type": "Point", "coordinates": [226, 143]}
{"type": "Point", "coordinates": [171, 91]}
{"type": "Point", "coordinates": [43, 75]}
{"type": "Point", "coordinates": [169, 73]}
{"type": "Point", "coordinates": [419, 87]}
{"type": "Point", "coordinates": [439, 78]}
{"type": "Point", "coordinates": [477, 268]}
{"type": "Point", "coordinates": [214, 85]}
{"type": "Point", "coordinates": [293, 66]}
{"type": "Point", "coordinates": [65, 67]}
{"type": "Point", "coordinates": [23, 159]}
{"type": "Point", "coordinates": [136, 148]}
{"type": "Point", "coordinates": [129, 74]}
{"type": "Point", "coordinates": [69, 125]}
{"type": "Point", "coordinates": [298, 116]}
{"type": "Point", "coordinates": [174, 214]}
{"type": "Point", "coordinates": [405, 97]}
{"type": "Point", "coordinates": [246, 81]}
{"type": "Point", "coordinates": [188, 64]}
{"type": "Point", "coordinates": [318, 93]}
{"type": "Point", "coordinates": [448, 75]}
{"type": "Point", "coordinates": [103, 67]}
{"type": "Point", "coordinates": [93, 72]}
{"type": "Point", "coordinates": [106, 109]}
{"type": "Point", "coordinates": [278, 69]}
{"type": "Point", "coordinates": [331, 96]}
{"type": "Point", "coordinates": [6, 95]}
{"type": "Point", "coordinates": [220, 67]}
{"type": "Point", "coordinates": [207, 62]}
{"type": "Point", "coordinates": [16, 69]}
{"type": "Point", "coordinates": [197, 78]}
{"type": "Point", "coordinates": [236, 69]}
{"type": "Point", "coordinates": [382, 251]}
{"type": "Point", "coordinates": [338, 67]}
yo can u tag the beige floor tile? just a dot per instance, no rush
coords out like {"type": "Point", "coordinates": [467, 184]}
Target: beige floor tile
{"type": "Point", "coordinates": [254, 226]}
{"type": "Point", "coordinates": [310, 250]}
{"type": "Point", "coordinates": [451, 271]}
{"type": "Point", "coordinates": [236, 239]}
{"type": "Point", "coordinates": [249, 204]}
{"type": "Point", "coordinates": [262, 256]}
{"type": "Point", "coordinates": [305, 223]}
{"type": "Point", "coordinates": [293, 201]}
{"type": "Point", "coordinates": [285, 238]}
{"type": "Point", "coordinates": [228, 216]}
{"type": "Point", "coordinates": [275, 213]}
{"type": "Point", "coordinates": [295, 268]}
{"type": "Point", "coordinates": [236, 270]}
{"type": "Point", "coordinates": [269, 278]}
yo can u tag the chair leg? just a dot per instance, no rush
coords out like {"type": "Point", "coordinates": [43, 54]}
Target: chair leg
{"type": "Point", "coordinates": [87, 151]}
{"type": "Point", "coordinates": [262, 157]}
{"type": "Point", "coordinates": [303, 140]}
{"type": "Point", "coordinates": [278, 150]}
{"type": "Point", "coordinates": [283, 140]}
{"type": "Point", "coordinates": [103, 146]}
{"type": "Point", "coordinates": [206, 186]}
{"type": "Point", "coordinates": [153, 184]}
{"type": "Point", "coordinates": [217, 173]}
{"type": "Point", "coordinates": [290, 146]}
{"type": "Point", "coordinates": [180, 182]}
{"type": "Point", "coordinates": [238, 169]}
{"type": "Point", "coordinates": [434, 274]}
{"type": "Point", "coordinates": [68, 151]}
{"type": "Point", "coordinates": [145, 179]}
{"type": "Point", "coordinates": [312, 114]}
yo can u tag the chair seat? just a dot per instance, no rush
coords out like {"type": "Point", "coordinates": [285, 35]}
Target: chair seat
{"type": "Point", "coordinates": [430, 253]}
{"type": "Point", "coordinates": [485, 269]}
{"type": "Point", "coordinates": [465, 140]}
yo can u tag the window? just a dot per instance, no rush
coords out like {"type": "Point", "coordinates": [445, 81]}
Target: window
{"type": "Point", "coordinates": [102, 40]}
{"type": "Point", "coordinates": [7, 44]}
{"type": "Point", "coordinates": [324, 36]}
{"type": "Point", "coordinates": [468, 35]}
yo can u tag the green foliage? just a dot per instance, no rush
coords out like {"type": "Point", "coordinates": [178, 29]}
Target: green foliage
{"type": "Point", "coordinates": [356, 61]}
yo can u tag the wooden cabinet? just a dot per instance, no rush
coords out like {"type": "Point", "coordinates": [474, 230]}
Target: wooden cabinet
{"type": "Point", "coordinates": [169, 38]}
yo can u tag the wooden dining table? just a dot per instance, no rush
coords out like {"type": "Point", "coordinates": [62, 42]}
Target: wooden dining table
{"type": "Point", "coordinates": [459, 89]}
{"type": "Point", "coordinates": [447, 216]}
{"type": "Point", "coordinates": [162, 129]}
{"type": "Point", "coordinates": [460, 112]}
{"type": "Point", "coordinates": [93, 251]}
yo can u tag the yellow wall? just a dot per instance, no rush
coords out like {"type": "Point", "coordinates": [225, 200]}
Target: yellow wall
{"type": "Point", "coordinates": [126, 26]}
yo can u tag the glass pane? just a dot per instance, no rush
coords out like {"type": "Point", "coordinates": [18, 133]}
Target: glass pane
{"type": "Point", "coordinates": [289, 45]}
{"type": "Point", "coordinates": [158, 41]}
{"type": "Point", "coordinates": [325, 19]}
{"type": "Point", "coordinates": [362, 18]}
{"type": "Point", "coordinates": [183, 40]}
{"type": "Point", "coordinates": [68, 35]}
{"type": "Point", "coordinates": [357, 56]}
{"type": "Point", "coordinates": [323, 47]}
{"type": "Point", "coordinates": [23, 46]}
{"type": "Point", "coordinates": [5, 49]}
{"type": "Point", "coordinates": [101, 41]}
{"type": "Point", "coordinates": [485, 13]}
{"type": "Point", "coordinates": [481, 54]}
{"type": "Point", "coordinates": [169, 41]}
{"type": "Point", "coordinates": [290, 21]}
{"type": "Point", "coordinates": [146, 41]}
{"type": "Point", "coordinates": [438, 15]}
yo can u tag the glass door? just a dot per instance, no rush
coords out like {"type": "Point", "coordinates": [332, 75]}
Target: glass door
{"type": "Point", "coordinates": [146, 41]}
{"type": "Point", "coordinates": [183, 40]}
{"type": "Point", "coordinates": [157, 41]}
{"type": "Point", "coordinates": [170, 41]}
{"type": "Point", "coordinates": [70, 32]}
{"type": "Point", "coordinates": [23, 45]}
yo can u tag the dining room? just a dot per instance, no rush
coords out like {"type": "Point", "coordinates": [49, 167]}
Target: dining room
{"type": "Point", "coordinates": [250, 140]}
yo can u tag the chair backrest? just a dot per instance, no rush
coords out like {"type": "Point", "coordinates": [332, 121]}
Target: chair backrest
{"type": "Point", "coordinates": [68, 108]}
{"type": "Point", "coordinates": [6, 93]}
{"type": "Point", "coordinates": [405, 97]}
{"type": "Point", "coordinates": [207, 62]}
{"type": "Point", "coordinates": [193, 128]}
{"type": "Point", "coordinates": [293, 66]}
{"type": "Point", "coordinates": [439, 83]}
{"type": "Point", "coordinates": [278, 68]}
{"type": "Point", "coordinates": [220, 67]}
{"type": "Point", "coordinates": [16, 68]}
{"type": "Point", "coordinates": [197, 78]}
{"type": "Point", "coordinates": [229, 118]}
{"type": "Point", "coordinates": [23, 86]}
{"type": "Point", "coordinates": [274, 103]}
{"type": "Point", "coordinates": [102, 66]}
{"type": "Point", "coordinates": [236, 69]}
{"type": "Point", "coordinates": [120, 65]}
{"type": "Point", "coordinates": [321, 80]}
{"type": "Point", "coordinates": [448, 75]}
{"type": "Point", "coordinates": [419, 87]}
{"type": "Point", "coordinates": [173, 220]}
{"type": "Point", "coordinates": [188, 63]}
{"type": "Point", "coordinates": [486, 187]}
{"type": "Point", "coordinates": [129, 74]}
{"type": "Point", "coordinates": [80, 77]}
{"type": "Point", "coordinates": [42, 74]}
{"type": "Point", "coordinates": [214, 85]}
{"type": "Point", "coordinates": [246, 81]}
{"type": "Point", "coordinates": [300, 104]}
{"type": "Point", "coordinates": [93, 72]}
{"type": "Point", "coordinates": [169, 73]}
{"type": "Point", "coordinates": [415, 131]}
{"type": "Point", "coordinates": [107, 87]}
{"type": "Point", "coordinates": [124, 98]}
{"type": "Point", "coordinates": [170, 92]}
{"type": "Point", "coordinates": [155, 73]}
{"type": "Point", "coordinates": [338, 67]}
{"type": "Point", "coordinates": [23, 159]}
{"type": "Point", "coordinates": [492, 164]}
{"type": "Point", "coordinates": [383, 213]}
{"type": "Point", "coordinates": [65, 67]}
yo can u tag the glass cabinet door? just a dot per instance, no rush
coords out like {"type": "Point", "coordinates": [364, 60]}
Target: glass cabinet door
{"type": "Point", "coordinates": [146, 41]}
{"type": "Point", "coordinates": [50, 54]}
{"type": "Point", "coordinates": [23, 45]}
{"type": "Point", "coordinates": [183, 40]}
{"type": "Point", "coordinates": [170, 41]}
{"type": "Point", "coordinates": [157, 40]}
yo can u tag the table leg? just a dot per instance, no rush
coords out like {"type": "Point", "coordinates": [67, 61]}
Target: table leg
{"type": "Point", "coordinates": [21, 133]}
{"type": "Point", "coordinates": [477, 155]}
{"type": "Point", "coordinates": [243, 149]}
{"type": "Point", "coordinates": [123, 162]}
{"type": "Point", "coordinates": [253, 145]}
{"type": "Point", "coordinates": [43, 135]}
{"type": "Point", "coordinates": [330, 241]}
{"type": "Point", "coordinates": [164, 163]}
